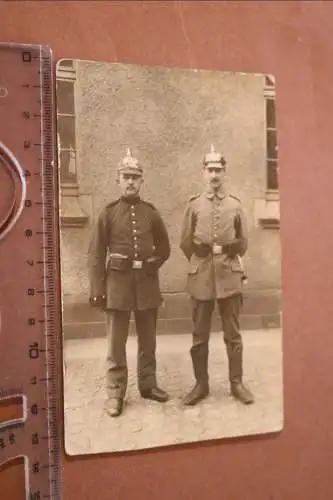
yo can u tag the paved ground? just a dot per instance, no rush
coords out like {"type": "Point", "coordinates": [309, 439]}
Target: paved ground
{"type": "Point", "coordinates": [147, 424]}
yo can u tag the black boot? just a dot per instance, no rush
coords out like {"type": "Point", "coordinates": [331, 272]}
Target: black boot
{"type": "Point", "coordinates": [199, 355]}
{"type": "Point", "coordinates": [155, 394]}
{"type": "Point", "coordinates": [238, 390]}
{"type": "Point", "coordinates": [200, 391]}
{"type": "Point", "coordinates": [114, 407]}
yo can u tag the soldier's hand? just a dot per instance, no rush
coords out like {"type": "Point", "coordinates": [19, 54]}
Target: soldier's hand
{"type": "Point", "coordinates": [201, 250]}
{"type": "Point", "coordinates": [232, 249]}
{"type": "Point", "coordinates": [98, 301]}
{"type": "Point", "coordinates": [152, 265]}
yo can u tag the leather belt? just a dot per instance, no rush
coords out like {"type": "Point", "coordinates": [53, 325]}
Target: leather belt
{"type": "Point", "coordinates": [217, 249]}
{"type": "Point", "coordinates": [204, 249]}
{"type": "Point", "coordinates": [137, 264]}
{"type": "Point", "coordinates": [123, 262]}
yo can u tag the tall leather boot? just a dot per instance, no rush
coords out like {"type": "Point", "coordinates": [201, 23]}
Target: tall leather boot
{"type": "Point", "coordinates": [199, 355]}
{"type": "Point", "coordinates": [238, 390]}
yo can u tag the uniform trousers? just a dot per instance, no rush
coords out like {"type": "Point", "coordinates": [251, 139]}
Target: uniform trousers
{"type": "Point", "coordinates": [229, 311]}
{"type": "Point", "coordinates": [117, 326]}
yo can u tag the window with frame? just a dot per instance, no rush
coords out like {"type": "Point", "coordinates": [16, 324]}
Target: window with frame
{"type": "Point", "coordinates": [66, 123]}
{"type": "Point", "coordinates": [271, 135]}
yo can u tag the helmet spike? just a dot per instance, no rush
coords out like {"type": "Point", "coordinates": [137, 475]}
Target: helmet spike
{"type": "Point", "coordinates": [214, 157]}
{"type": "Point", "coordinates": [130, 164]}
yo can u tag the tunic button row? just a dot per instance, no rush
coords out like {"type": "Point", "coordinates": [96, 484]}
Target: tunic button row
{"type": "Point", "coordinates": [134, 231]}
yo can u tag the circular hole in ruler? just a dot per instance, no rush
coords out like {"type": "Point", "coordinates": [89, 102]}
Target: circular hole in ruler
{"type": "Point", "coordinates": [13, 190]}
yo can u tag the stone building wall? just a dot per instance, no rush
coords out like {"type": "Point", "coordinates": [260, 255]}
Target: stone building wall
{"type": "Point", "coordinates": [169, 118]}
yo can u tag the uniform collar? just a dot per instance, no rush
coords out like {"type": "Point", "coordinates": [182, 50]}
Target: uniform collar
{"type": "Point", "coordinates": [211, 194]}
{"type": "Point", "coordinates": [130, 201]}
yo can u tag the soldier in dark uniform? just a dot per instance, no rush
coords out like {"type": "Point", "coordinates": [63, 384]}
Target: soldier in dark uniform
{"type": "Point", "coordinates": [128, 246]}
{"type": "Point", "coordinates": [214, 239]}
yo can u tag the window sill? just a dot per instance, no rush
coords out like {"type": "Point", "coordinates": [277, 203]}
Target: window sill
{"type": "Point", "coordinates": [69, 189]}
{"type": "Point", "coordinates": [267, 211]}
{"type": "Point", "coordinates": [71, 212]}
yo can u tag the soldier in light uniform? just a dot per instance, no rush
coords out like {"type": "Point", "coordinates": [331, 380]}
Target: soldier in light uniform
{"type": "Point", "coordinates": [128, 246]}
{"type": "Point", "coordinates": [214, 240]}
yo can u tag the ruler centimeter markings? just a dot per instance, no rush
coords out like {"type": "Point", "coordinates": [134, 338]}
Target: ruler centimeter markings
{"type": "Point", "coordinates": [29, 340]}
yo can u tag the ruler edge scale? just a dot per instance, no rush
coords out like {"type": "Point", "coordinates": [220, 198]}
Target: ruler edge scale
{"type": "Point", "coordinates": [49, 179]}
{"type": "Point", "coordinates": [52, 204]}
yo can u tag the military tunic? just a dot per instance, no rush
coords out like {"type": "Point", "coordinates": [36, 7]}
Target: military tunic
{"type": "Point", "coordinates": [213, 219]}
{"type": "Point", "coordinates": [129, 231]}
{"type": "Point", "coordinates": [135, 229]}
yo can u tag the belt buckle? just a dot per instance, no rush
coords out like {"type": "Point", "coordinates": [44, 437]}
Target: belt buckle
{"type": "Point", "coordinates": [217, 249]}
{"type": "Point", "coordinates": [137, 264]}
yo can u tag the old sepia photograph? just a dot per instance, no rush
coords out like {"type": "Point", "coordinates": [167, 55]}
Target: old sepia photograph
{"type": "Point", "coordinates": [170, 255]}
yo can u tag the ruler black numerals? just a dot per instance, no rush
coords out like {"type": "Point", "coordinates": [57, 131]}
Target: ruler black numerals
{"type": "Point", "coordinates": [29, 335]}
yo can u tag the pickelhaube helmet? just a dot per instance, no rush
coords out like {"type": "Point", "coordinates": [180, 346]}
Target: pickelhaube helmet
{"type": "Point", "coordinates": [129, 164]}
{"type": "Point", "coordinates": [214, 157]}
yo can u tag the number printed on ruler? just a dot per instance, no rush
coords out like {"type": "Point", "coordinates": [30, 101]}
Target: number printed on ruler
{"type": "Point", "coordinates": [29, 388]}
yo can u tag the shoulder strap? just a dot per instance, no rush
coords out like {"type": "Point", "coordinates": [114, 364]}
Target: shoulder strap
{"type": "Point", "coordinates": [112, 203]}
{"type": "Point", "coordinates": [235, 197]}
{"type": "Point", "coordinates": [151, 205]}
{"type": "Point", "coordinates": [194, 197]}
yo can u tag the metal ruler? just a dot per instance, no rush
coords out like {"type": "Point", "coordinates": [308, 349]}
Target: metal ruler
{"type": "Point", "coordinates": [29, 303]}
